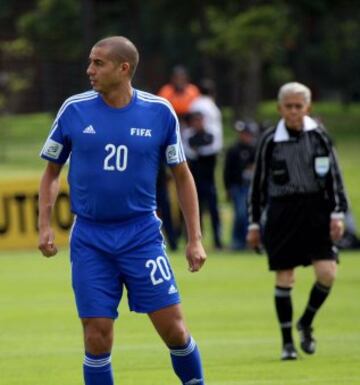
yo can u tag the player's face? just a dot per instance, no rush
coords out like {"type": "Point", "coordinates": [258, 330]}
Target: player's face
{"type": "Point", "coordinates": [105, 75]}
{"type": "Point", "coordinates": [293, 108]}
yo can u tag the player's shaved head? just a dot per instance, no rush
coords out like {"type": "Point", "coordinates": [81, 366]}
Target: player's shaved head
{"type": "Point", "coordinates": [121, 50]}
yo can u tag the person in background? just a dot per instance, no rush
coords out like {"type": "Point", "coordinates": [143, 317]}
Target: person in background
{"type": "Point", "coordinates": [180, 92]}
{"type": "Point", "coordinates": [206, 105]}
{"type": "Point", "coordinates": [238, 173]}
{"type": "Point", "coordinates": [196, 140]}
{"type": "Point", "coordinates": [115, 137]}
{"type": "Point", "coordinates": [298, 185]}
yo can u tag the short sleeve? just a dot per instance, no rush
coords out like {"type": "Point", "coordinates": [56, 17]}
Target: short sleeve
{"type": "Point", "coordinates": [174, 152]}
{"type": "Point", "coordinates": [57, 146]}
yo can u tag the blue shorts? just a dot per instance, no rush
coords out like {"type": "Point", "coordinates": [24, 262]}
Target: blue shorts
{"type": "Point", "coordinates": [107, 257]}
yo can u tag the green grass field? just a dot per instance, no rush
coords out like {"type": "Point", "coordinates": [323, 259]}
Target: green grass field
{"type": "Point", "coordinates": [229, 309]}
{"type": "Point", "coordinates": [229, 305]}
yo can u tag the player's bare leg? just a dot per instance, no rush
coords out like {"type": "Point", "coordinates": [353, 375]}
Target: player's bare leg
{"type": "Point", "coordinates": [169, 323]}
{"type": "Point", "coordinates": [98, 335]}
{"type": "Point", "coordinates": [98, 340]}
{"type": "Point", "coordinates": [325, 273]}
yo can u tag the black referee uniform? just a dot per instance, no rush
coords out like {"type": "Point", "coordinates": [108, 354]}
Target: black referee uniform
{"type": "Point", "coordinates": [296, 189]}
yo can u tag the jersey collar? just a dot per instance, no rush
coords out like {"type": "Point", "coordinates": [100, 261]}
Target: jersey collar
{"type": "Point", "coordinates": [282, 135]}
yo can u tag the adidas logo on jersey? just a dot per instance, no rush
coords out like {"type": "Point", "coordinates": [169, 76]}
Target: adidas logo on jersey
{"type": "Point", "coordinates": [140, 132]}
{"type": "Point", "coordinates": [89, 130]}
{"type": "Point", "coordinates": [172, 290]}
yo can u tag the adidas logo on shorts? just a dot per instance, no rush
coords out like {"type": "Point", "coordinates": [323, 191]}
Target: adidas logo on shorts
{"type": "Point", "coordinates": [172, 290]}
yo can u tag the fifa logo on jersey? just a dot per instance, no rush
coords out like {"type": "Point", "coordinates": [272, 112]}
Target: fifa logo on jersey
{"type": "Point", "coordinates": [140, 132]}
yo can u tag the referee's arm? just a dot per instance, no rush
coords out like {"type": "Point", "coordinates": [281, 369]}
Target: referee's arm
{"type": "Point", "coordinates": [336, 192]}
{"type": "Point", "coordinates": [258, 191]}
{"type": "Point", "coordinates": [334, 184]}
{"type": "Point", "coordinates": [257, 194]}
{"type": "Point", "coordinates": [337, 185]}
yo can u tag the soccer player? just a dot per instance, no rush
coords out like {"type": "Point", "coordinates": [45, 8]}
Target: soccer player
{"type": "Point", "coordinates": [298, 181]}
{"type": "Point", "coordinates": [115, 137]}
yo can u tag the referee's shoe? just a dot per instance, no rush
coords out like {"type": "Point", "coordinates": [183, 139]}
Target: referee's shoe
{"type": "Point", "coordinates": [289, 352]}
{"type": "Point", "coordinates": [307, 341]}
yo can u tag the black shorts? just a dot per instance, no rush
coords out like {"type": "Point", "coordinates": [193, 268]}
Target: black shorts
{"type": "Point", "coordinates": [297, 232]}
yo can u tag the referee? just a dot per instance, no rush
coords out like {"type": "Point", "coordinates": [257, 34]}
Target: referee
{"type": "Point", "coordinates": [298, 193]}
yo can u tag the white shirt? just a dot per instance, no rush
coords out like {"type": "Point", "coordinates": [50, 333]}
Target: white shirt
{"type": "Point", "coordinates": [212, 122]}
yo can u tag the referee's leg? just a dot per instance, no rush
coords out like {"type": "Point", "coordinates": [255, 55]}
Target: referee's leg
{"type": "Point", "coordinates": [169, 323]}
{"type": "Point", "coordinates": [325, 273]}
{"type": "Point", "coordinates": [284, 310]}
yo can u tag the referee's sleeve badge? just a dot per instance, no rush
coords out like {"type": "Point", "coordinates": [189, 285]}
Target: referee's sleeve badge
{"type": "Point", "coordinates": [322, 165]}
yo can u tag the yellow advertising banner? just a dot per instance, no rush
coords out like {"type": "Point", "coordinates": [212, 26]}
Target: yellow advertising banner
{"type": "Point", "coordinates": [19, 212]}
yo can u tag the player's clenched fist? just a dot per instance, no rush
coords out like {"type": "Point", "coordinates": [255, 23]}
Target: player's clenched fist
{"type": "Point", "coordinates": [46, 243]}
{"type": "Point", "coordinates": [195, 255]}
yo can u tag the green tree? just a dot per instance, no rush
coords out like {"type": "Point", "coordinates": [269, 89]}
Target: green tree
{"type": "Point", "coordinates": [14, 82]}
{"type": "Point", "coordinates": [55, 31]}
{"type": "Point", "coordinates": [248, 40]}
{"type": "Point", "coordinates": [53, 28]}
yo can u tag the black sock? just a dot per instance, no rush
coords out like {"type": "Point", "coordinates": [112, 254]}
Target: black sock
{"type": "Point", "coordinates": [284, 312]}
{"type": "Point", "coordinates": [317, 297]}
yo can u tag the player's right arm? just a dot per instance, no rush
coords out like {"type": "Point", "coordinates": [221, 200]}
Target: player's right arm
{"type": "Point", "coordinates": [49, 189]}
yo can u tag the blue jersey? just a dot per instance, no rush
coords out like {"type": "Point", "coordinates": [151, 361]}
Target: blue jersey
{"type": "Point", "coordinates": [114, 153]}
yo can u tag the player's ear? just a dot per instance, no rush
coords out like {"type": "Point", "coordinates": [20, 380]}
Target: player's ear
{"type": "Point", "coordinates": [125, 68]}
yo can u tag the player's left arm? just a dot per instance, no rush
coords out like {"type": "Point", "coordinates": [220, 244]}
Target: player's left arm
{"type": "Point", "coordinates": [186, 191]}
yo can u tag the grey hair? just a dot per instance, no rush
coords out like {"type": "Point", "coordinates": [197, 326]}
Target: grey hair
{"type": "Point", "coordinates": [294, 88]}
